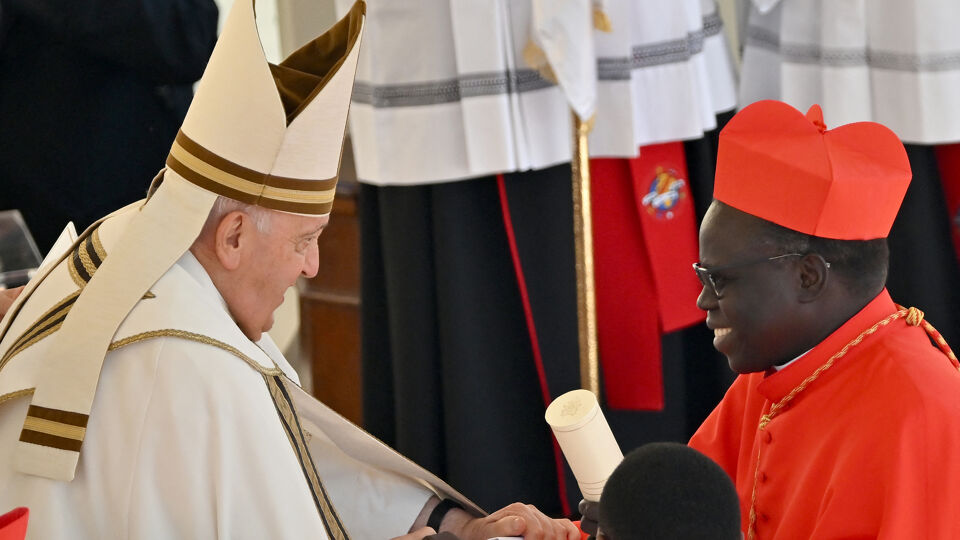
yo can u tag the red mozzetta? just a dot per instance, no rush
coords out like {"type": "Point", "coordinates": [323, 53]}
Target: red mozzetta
{"type": "Point", "coordinates": [868, 449]}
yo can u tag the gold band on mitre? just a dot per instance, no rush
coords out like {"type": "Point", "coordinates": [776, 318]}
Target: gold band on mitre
{"type": "Point", "coordinates": [224, 177]}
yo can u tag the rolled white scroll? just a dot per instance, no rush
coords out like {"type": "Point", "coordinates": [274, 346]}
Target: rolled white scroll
{"type": "Point", "coordinates": [586, 440]}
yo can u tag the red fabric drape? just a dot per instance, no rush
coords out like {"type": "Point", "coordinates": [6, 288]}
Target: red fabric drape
{"type": "Point", "coordinates": [645, 239]}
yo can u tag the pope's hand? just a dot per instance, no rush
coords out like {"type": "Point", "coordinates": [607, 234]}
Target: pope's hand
{"type": "Point", "coordinates": [518, 520]}
{"type": "Point", "coordinates": [7, 296]}
{"type": "Point", "coordinates": [418, 534]}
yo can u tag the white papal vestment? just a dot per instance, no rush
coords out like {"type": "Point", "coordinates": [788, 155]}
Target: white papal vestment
{"type": "Point", "coordinates": [188, 436]}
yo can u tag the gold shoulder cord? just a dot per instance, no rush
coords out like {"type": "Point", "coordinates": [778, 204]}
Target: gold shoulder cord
{"type": "Point", "coordinates": [290, 421]}
{"type": "Point", "coordinates": [199, 338]}
{"type": "Point", "coordinates": [914, 317]}
{"type": "Point", "coordinates": [83, 261]}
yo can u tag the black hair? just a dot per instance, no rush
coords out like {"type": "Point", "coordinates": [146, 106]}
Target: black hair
{"type": "Point", "coordinates": [667, 491]}
{"type": "Point", "coordinates": [860, 264]}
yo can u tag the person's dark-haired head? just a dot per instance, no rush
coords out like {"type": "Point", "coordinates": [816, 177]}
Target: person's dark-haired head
{"type": "Point", "coordinates": [666, 491]}
{"type": "Point", "coordinates": [772, 293]}
{"type": "Point", "coordinates": [860, 264]}
{"type": "Point", "coordinates": [794, 244]}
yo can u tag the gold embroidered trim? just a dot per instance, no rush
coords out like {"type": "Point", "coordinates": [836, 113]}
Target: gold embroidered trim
{"type": "Point", "coordinates": [53, 428]}
{"type": "Point", "coordinates": [291, 425]}
{"type": "Point", "coordinates": [52, 319]}
{"type": "Point", "coordinates": [83, 256]}
{"type": "Point", "coordinates": [65, 258]}
{"type": "Point", "coordinates": [257, 186]}
{"type": "Point", "coordinates": [74, 274]}
{"type": "Point", "coordinates": [39, 332]}
{"type": "Point", "coordinates": [199, 338]}
{"type": "Point", "coordinates": [58, 429]}
{"type": "Point", "coordinates": [386, 447]}
{"type": "Point", "coordinates": [85, 259]}
{"type": "Point", "coordinates": [48, 323]}
{"type": "Point", "coordinates": [97, 245]}
{"type": "Point", "coordinates": [912, 316]}
{"type": "Point", "coordinates": [14, 395]}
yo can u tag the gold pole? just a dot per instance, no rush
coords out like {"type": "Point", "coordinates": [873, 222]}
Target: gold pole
{"type": "Point", "coordinates": [583, 242]}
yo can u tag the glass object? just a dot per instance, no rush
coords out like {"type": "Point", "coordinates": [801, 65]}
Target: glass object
{"type": "Point", "coordinates": [19, 257]}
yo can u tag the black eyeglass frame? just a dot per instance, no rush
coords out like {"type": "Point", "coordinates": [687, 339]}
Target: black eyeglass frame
{"type": "Point", "coordinates": [705, 275]}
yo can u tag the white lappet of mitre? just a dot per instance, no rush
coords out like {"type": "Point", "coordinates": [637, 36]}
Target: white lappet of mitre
{"type": "Point", "coordinates": [269, 135]}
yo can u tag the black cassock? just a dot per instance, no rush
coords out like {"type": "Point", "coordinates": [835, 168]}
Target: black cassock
{"type": "Point", "coordinates": [92, 94]}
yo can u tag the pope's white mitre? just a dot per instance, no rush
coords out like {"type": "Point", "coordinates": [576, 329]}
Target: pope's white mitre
{"type": "Point", "coordinates": [287, 155]}
{"type": "Point", "coordinates": [263, 134]}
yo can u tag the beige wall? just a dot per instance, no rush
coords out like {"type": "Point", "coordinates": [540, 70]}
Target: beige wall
{"type": "Point", "coordinates": [302, 20]}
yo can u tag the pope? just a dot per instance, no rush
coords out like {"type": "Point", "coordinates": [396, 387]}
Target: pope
{"type": "Point", "coordinates": [140, 393]}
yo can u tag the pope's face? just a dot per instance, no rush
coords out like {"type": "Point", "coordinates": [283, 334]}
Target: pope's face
{"type": "Point", "coordinates": [272, 261]}
{"type": "Point", "coordinates": [754, 320]}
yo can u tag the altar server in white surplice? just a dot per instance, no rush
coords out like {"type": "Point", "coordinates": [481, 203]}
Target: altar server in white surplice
{"type": "Point", "coordinates": [140, 396]}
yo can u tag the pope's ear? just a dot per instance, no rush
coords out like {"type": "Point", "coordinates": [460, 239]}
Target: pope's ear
{"type": "Point", "coordinates": [229, 239]}
{"type": "Point", "coordinates": [814, 274]}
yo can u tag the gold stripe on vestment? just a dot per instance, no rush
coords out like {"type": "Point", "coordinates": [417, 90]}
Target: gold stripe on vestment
{"type": "Point", "coordinates": [53, 318]}
{"type": "Point", "coordinates": [84, 255]}
{"type": "Point", "coordinates": [214, 186]}
{"type": "Point", "coordinates": [54, 428]}
{"type": "Point", "coordinates": [18, 393]}
{"type": "Point", "coordinates": [48, 323]}
{"type": "Point", "coordinates": [199, 338]}
{"type": "Point", "coordinates": [246, 186]}
{"type": "Point", "coordinates": [257, 177]}
{"type": "Point", "coordinates": [85, 259]}
{"type": "Point", "coordinates": [59, 416]}
{"type": "Point", "coordinates": [74, 273]}
{"type": "Point", "coordinates": [291, 426]}
{"type": "Point", "coordinates": [97, 245]}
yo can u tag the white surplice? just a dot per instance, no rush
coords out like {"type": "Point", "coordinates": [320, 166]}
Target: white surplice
{"type": "Point", "coordinates": [896, 62]}
{"type": "Point", "coordinates": [443, 91]}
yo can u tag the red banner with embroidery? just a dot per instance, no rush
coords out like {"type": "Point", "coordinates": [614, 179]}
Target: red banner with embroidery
{"type": "Point", "coordinates": [645, 240]}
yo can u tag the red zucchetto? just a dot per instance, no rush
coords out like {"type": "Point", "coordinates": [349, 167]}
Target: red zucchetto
{"type": "Point", "coordinates": [845, 183]}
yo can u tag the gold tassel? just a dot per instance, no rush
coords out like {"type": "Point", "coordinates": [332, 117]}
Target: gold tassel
{"type": "Point", "coordinates": [534, 56]}
{"type": "Point", "coordinates": [600, 20]}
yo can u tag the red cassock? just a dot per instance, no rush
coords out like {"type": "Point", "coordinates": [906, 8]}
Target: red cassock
{"type": "Point", "coordinates": [869, 449]}
{"type": "Point", "coordinates": [13, 524]}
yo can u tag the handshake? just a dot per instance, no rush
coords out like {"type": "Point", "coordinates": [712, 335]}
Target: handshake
{"type": "Point", "coordinates": [513, 521]}
{"type": "Point", "coordinates": [660, 490]}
